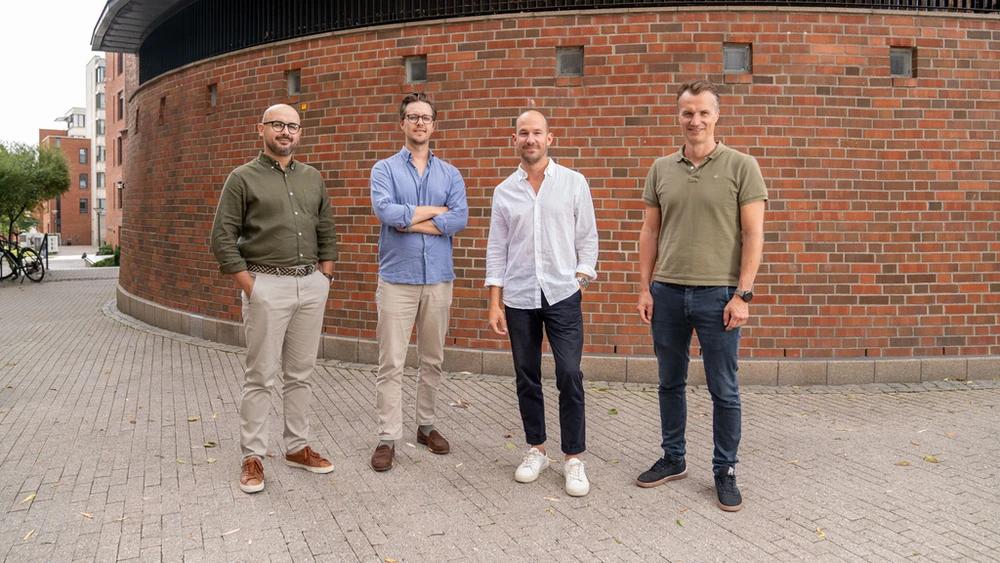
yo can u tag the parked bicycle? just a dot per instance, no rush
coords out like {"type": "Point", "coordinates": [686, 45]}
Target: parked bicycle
{"type": "Point", "coordinates": [16, 261]}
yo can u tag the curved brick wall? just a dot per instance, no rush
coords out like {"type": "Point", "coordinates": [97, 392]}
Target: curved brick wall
{"type": "Point", "coordinates": [882, 230]}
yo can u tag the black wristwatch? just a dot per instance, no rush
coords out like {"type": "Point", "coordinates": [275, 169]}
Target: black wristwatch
{"type": "Point", "coordinates": [745, 294]}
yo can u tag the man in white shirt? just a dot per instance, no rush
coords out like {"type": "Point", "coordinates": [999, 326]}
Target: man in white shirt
{"type": "Point", "coordinates": [541, 254]}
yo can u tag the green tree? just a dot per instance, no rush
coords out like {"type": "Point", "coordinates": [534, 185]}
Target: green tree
{"type": "Point", "coordinates": [29, 175]}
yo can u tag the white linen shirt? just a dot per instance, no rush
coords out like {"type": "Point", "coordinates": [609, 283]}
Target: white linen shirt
{"type": "Point", "coordinates": [540, 242]}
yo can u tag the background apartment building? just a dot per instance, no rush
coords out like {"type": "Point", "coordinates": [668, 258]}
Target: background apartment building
{"type": "Point", "coordinates": [95, 127]}
{"type": "Point", "coordinates": [69, 214]}
{"type": "Point", "coordinates": [118, 66]}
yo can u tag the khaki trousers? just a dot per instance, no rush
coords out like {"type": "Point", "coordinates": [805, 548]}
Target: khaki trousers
{"type": "Point", "coordinates": [400, 306]}
{"type": "Point", "coordinates": [283, 319]}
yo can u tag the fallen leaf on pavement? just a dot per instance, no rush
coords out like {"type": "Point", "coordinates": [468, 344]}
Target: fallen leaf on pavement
{"type": "Point", "coordinates": [951, 434]}
{"type": "Point", "coordinates": [181, 461]}
{"type": "Point", "coordinates": [28, 498]}
{"type": "Point", "coordinates": [510, 446]}
{"type": "Point", "coordinates": [821, 533]}
{"type": "Point", "coordinates": [679, 522]}
{"type": "Point", "coordinates": [459, 404]}
{"type": "Point", "coordinates": [209, 444]}
{"type": "Point", "coordinates": [87, 515]}
{"type": "Point", "coordinates": [233, 531]}
{"type": "Point", "coordinates": [931, 459]}
{"type": "Point", "coordinates": [210, 460]}
{"type": "Point", "coordinates": [903, 463]}
{"type": "Point", "coordinates": [192, 419]}
{"type": "Point", "coordinates": [390, 560]}
{"type": "Point", "coordinates": [411, 445]}
{"type": "Point", "coordinates": [28, 535]}
{"type": "Point", "coordinates": [553, 499]}
{"type": "Point", "coordinates": [612, 411]}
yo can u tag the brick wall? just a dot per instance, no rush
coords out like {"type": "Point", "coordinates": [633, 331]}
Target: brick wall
{"type": "Point", "coordinates": [75, 226]}
{"type": "Point", "coordinates": [117, 132]}
{"type": "Point", "coordinates": [885, 193]}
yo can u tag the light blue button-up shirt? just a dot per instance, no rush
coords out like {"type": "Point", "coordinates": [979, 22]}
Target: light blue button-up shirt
{"type": "Point", "coordinates": [397, 189]}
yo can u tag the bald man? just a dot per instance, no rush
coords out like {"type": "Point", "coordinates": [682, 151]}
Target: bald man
{"type": "Point", "coordinates": [540, 256]}
{"type": "Point", "coordinates": [274, 234]}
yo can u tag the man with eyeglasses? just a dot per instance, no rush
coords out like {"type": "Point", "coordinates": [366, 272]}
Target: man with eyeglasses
{"type": "Point", "coordinates": [274, 234]}
{"type": "Point", "coordinates": [419, 200]}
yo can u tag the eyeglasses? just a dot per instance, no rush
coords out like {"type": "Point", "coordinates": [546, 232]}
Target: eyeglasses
{"type": "Point", "coordinates": [280, 126]}
{"type": "Point", "coordinates": [414, 118]}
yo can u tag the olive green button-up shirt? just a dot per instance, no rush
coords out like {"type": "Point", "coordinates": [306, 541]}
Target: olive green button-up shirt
{"type": "Point", "coordinates": [273, 217]}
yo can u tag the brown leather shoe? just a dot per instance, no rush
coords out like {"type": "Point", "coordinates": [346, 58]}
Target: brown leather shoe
{"type": "Point", "coordinates": [308, 459]}
{"type": "Point", "coordinates": [434, 441]}
{"type": "Point", "coordinates": [252, 475]}
{"type": "Point", "coordinates": [382, 458]}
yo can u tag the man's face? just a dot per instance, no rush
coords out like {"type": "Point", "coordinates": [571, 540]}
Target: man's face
{"type": "Point", "coordinates": [418, 133]}
{"type": "Point", "coordinates": [280, 143]}
{"type": "Point", "coordinates": [698, 114]}
{"type": "Point", "coordinates": [532, 137]}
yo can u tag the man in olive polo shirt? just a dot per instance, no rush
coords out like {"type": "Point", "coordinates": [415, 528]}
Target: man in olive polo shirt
{"type": "Point", "coordinates": [699, 250]}
{"type": "Point", "coordinates": [274, 234]}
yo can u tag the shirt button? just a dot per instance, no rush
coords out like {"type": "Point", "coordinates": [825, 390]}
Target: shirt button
{"type": "Point", "coordinates": [296, 212]}
{"type": "Point", "coordinates": [300, 256]}
{"type": "Point", "coordinates": [290, 193]}
{"type": "Point", "coordinates": [300, 234]}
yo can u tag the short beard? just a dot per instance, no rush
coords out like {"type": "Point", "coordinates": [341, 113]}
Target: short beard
{"type": "Point", "coordinates": [279, 150]}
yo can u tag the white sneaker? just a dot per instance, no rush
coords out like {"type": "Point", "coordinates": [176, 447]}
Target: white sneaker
{"type": "Point", "coordinates": [533, 463]}
{"type": "Point", "coordinates": [577, 484]}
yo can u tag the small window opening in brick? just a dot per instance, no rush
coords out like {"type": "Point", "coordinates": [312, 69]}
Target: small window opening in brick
{"type": "Point", "coordinates": [901, 62]}
{"type": "Point", "coordinates": [416, 68]}
{"type": "Point", "coordinates": [569, 61]}
{"type": "Point", "coordinates": [737, 58]}
{"type": "Point", "coordinates": [161, 118]}
{"type": "Point", "coordinates": [213, 95]}
{"type": "Point", "coordinates": [294, 78]}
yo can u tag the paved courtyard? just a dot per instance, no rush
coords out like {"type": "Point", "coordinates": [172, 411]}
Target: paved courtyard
{"type": "Point", "coordinates": [119, 441]}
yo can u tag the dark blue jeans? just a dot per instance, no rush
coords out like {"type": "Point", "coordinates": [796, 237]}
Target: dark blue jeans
{"type": "Point", "coordinates": [677, 310]}
{"type": "Point", "coordinates": [563, 324]}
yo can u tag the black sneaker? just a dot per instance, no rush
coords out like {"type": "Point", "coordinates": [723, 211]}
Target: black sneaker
{"type": "Point", "coordinates": [728, 493]}
{"type": "Point", "coordinates": [665, 469]}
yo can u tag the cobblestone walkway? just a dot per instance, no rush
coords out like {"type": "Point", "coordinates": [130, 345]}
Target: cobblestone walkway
{"type": "Point", "coordinates": [119, 441]}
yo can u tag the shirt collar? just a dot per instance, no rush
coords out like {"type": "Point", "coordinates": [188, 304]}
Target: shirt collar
{"type": "Point", "coordinates": [522, 174]}
{"type": "Point", "coordinates": [271, 163]}
{"type": "Point", "coordinates": [719, 147]}
{"type": "Point", "coordinates": [408, 156]}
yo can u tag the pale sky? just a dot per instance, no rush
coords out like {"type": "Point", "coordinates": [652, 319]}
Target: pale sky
{"type": "Point", "coordinates": [47, 45]}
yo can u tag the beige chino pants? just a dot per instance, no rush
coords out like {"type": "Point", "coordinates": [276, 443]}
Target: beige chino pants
{"type": "Point", "coordinates": [400, 306]}
{"type": "Point", "coordinates": [283, 319]}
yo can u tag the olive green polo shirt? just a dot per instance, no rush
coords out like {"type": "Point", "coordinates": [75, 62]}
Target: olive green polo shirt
{"type": "Point", "coordinates": [700, 233]}
{"type": "Point", "coordinates": [273, 217]}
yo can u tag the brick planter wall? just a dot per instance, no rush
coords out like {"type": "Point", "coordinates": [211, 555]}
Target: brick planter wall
{"type": "Point", "coordinates": [882, 229]}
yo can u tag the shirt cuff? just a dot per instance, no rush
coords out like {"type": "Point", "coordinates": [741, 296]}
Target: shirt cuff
{"type": "Point", "coordinates": [587, 271]}
{"type": "Point", "coordinates": [494, 281]}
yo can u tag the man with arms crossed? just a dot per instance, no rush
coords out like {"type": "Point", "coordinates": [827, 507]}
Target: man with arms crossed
{"type": "Point", "coordinates": [274, 234]}
{"type": "Point", "coordinates": [699, 250]}
{"type": "Point", "coordinates": [420, 201]}
{"type": "Point", "coordinates": [541, 253]}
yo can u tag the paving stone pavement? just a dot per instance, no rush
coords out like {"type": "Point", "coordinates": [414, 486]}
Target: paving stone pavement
{"type": "Point", "coordinates": [119, 441]}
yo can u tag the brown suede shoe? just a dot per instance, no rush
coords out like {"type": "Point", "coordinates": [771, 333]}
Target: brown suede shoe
{"type": "Point", "coordinates": [382, 458]}
{"type": "Point", "coordinates": [434, 441]}
{"type": "Point", "coordinates": [308, 459]}
{"type": "Point", "coordinates": [252, 475]}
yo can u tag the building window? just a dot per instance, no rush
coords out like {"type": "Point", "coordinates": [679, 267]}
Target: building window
{"type": "Point", "coordinates": [83, 156]}
{"type": "Point", "coordinates": [213, 95]}
{"type": "Point", "coordinates": [99, 74]}
{"type": "Point", "coordinates": [100, 100]}
{"type": "Point", "coordinates": [120, 62]}
{"type": "Point", "coordinates": [100, 153]}
{"type": "Point", "coordinates": [119, 151]}
{"type": "Point", "coordinates": [100, 204]}
{"type": "Point", "coordinates": [161, 118]}
{"type": "Point", "coordinates": [99, 125]}
{"type": "Point", "coordinates": [569, 61]}
{"type": "Point", "coordinates": [83, 181]}
{"type": "Point", "coordinates": [99, 180]}
{"type": "Point", "coordinates": [416, 68]}
{"type": "Point", "coordinates": [77, 120]}
{"type": "Point", "coordinates": [901, 62]}
{"type": "Point", "coordinates": [294, 78]}
{"type": "Point", "coordinates": [120, 196]}
{"type": "Point", "coordinates": [84, 206]}
{"type": "Point", "coordinates": [121, 106]}
{"type": "Point", "coordinates": [736, 58]}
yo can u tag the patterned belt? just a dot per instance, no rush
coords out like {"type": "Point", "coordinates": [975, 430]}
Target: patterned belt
{"type": "Point", "coordinates": [294, 271]}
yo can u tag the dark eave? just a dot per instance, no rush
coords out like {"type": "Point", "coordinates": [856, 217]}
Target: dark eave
{"type": "Point", "coordinates": [125, 23]}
